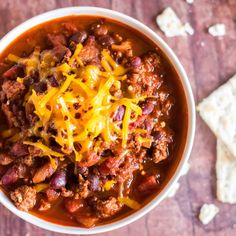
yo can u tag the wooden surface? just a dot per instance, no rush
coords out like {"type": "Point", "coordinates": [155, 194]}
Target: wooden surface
{"type": "Point", "coordinates": [209, 62]}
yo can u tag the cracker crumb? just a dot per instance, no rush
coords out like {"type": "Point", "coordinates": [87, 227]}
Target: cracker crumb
{"type": "Point", "coordinates": [189, 1]}
{"type": "Point", "coordinates": [202, 44]}
{"type": "Point", "coordinates": [217, 30]}
{"type": "Point", "coordinates": [207, 213]}
{"type": "Point", "coordinates": [170, 24]}
{"type": "Point", "coordinates": [189, 29]}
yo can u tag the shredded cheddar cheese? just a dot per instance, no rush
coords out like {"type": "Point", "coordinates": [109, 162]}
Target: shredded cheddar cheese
{"type": "Point", "coordinates": [129, 202]}
{"type": "Point", "coordinates": [82, 107]}
{"type": "Point", "coordinates": [108, 185]}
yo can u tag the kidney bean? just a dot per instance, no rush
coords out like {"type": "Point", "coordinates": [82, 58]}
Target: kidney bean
{"type": "Point", "coordinates": [107, 153]}
{"type": "Point", "coordinates": [15, 71]}
{"type": "Point", "coordinates": [119, 113]}
{"type": "Point", "coordinates": [40, 87]}
{"type": "Point", "coordinates": [79, 37]}
{"type": "Point", "coordinates": [147, 108]}
{"type": "Point", "coordinates": [10, 177]}
{"type": "Point", "coordinates": [53, 82]}
{"type": "Point", "coordinates": [135, 62]}
{"type": "Point", "coordinates": [106, 40]}
{"type": "Point", "coordinates": [58, 180]}
{"type": "Point", "coordinates": [94, 183]}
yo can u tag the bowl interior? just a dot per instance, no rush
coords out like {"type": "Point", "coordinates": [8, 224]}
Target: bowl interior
{"type": "Point", "coordinates": [99, 12]}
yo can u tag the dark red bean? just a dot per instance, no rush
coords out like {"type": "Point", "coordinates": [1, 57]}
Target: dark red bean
{"type": "Point", "coordinates": [28, 81]}
{"type": "Point", "coordinates": [53, 82]}
{"type": "Point", "coordinates": [147, 108]}
{"type": "Point", "coordinates": [107, 153]}
{"type": "Point", "coordinates": [94, 183]}
{"type": "Point", "coordinates": [19, 149]}
{"type": "Point", "coordinates": [135, 61]}
{"type": "Point", "coordinates": [79, 37]}
{"type": "Point", "coordinates": [15, 71]}
{"type": "Point", "coordinates": [106, 40]}
{"type": "Point", "coordinates": [10, 177]}
{"type": "Point", "coordinates": [58, 180]}
{"type": "Point", "coordinates": [40, 87]}
{"type": "Point", "coordinates": [119, 113]}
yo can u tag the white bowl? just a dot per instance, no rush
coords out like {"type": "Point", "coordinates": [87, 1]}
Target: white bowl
{"type": "Point", "coordinates": [101, 12]}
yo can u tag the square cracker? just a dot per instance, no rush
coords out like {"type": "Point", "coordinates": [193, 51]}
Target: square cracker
{"type": "Point", "coordinates": [225, 174]}
{"type": "Point", "coordinates": [218, 110]}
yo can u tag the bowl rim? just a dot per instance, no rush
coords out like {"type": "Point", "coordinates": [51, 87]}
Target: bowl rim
{"type": "Point", "coordinates": [133, 23]}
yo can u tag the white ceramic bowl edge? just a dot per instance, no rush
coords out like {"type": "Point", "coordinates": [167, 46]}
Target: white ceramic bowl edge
{"type": "Point", "coordinates": [101, 12]}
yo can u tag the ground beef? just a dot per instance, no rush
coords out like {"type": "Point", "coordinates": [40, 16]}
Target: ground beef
{"type": "Point", "coordinates": [27, 160]}
{"type": "Point", "coordinates": [66, 193]}
{"type": "Point", "coordinates": [52, 195]}
{"type": "Point", "coordinates": [144, 80]}
{"type": "Point", "coordinates": [160, 147]}
{"type": "Point", "coordinates": [24, 197]}
{"type": "Point", "coordinates": [34, 152]}
{"type": "Point", "coordinates": [10, 117]}
{"type": "Point", "coordinates": [121, 168]}
{"type": "Point", "coordinates": [90, 52]}
{"type": "Point", "coordinates": [5, 159]}
{"type": "Point", "coordinates": [160, 152]}
{"type": "Point", "coordinates": [126, 169]}
{"type": "Point", "coordinates": [108, 207]}
{"type": "Point", "coordinates": [83, 190]}
{"type": "Point", "coordinates": [44, 205]}
{"type": "Point", "coordinates": [12, 89]}
{"type": "Point", "coordinates": [19, 149]}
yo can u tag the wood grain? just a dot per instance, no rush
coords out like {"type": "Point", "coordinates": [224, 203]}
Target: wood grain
{"type": "Point", "coordinates": [209, 62]}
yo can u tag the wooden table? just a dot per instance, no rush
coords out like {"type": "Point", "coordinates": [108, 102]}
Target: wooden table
{"type": "Point", "coordinates": [209, 62]}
